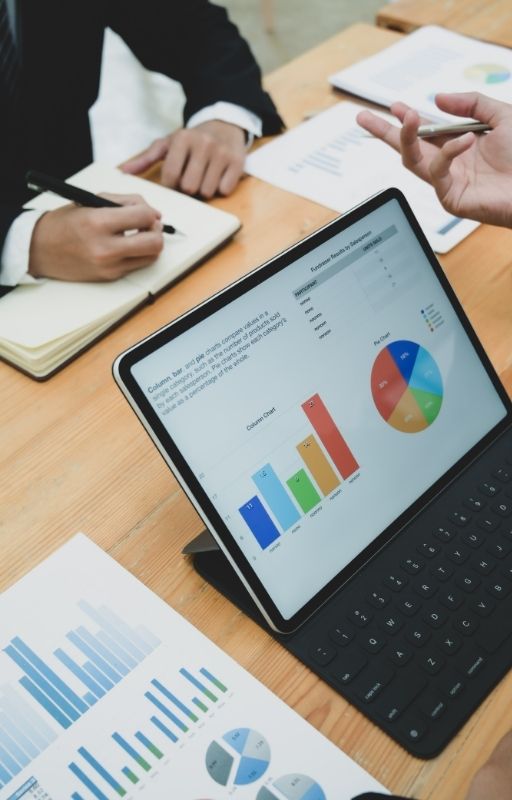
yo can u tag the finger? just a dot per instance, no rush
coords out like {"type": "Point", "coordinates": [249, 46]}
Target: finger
{"type": "Point", "coordinates": [147, 244]}
{"type": "Point", "coordinates": [213, 173]}
{"type": "Point", "coordinates": [440, 166]}
{"type": "Point", "coordinates": [380, 128]}
{"type": "Point", "coordinates": [200, 157]}
{"type": "Point", "coordinates": [128, 200]}
{"type": "Point", "coordinates": [473, 104]}
{"type": "Point", "coordinates": [155, 152]}
{"type": "Point", "coordinates": [412, 153]}
{"type": "Point", "coordinates": [176, 159]}
{"type": "Point", "coordinates": [127, 218]}
{"type": "Point", "coordinates": [231, 176]}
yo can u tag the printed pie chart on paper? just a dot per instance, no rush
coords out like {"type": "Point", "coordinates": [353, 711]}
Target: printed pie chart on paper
{"type": "Point", "coordinates": [292, 787]}
{"type": "Point", "coordinates": [407, 386]}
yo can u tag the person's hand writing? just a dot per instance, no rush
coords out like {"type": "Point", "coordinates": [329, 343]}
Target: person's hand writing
{"type": "Point", "coordinates": [493, 781]}
{"type": "Point", "coordinates": [96, 244]}
{"type": "Point", "coordinates": [205, 160]}
{"type": "Point", "coordinates": [472, 174]}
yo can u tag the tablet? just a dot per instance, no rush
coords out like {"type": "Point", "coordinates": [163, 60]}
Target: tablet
{"type": "Point", "coordinates": [312, 408]}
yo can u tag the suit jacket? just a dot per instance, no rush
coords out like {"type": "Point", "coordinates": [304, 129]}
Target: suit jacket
{"type": "Point", "coordinates": [47, 127]}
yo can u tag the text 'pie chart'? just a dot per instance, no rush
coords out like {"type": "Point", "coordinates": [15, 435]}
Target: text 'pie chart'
{"type": "Point", "coordinates": [407, 386]}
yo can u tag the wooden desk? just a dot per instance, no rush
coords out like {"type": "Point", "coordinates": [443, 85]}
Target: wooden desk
{"type": "Point", "coordinates": [490, 20]}
{"type": "Point", "coordinates": [74, 457]}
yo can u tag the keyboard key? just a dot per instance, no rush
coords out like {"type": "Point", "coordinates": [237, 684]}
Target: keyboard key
{"type": "Point", "coordinates": [502, 474]}
{"type": "Point", "coordinates": [435, 617]}
{"type": "Point", "coordinates": [499, 549]}
{"type": "Point", "coordinates": [442, 572]}
{"type": "Point", "coordinates": [496, 631]}
{"type": "Point", "coordinates": [391, 624]}
{"type": "Point", "coordinates": [431, 704]}
{"type": "Point", "coordinates": [499, 588]}
{"type": "Point", "coordinates": [489, 488]}
{"type": "Point", "coordinates": [408, 606]}
{"type": "Point", "coordinates": [349, 665]}
{"type": "Point", "coordinates": [474, 503]}
{"type": "Point", "coordinates": [427, 549]}
{"type": "Point", "coordinates": [483, 606]}
{"type": "Point", "coordinates": [483, 565]}
{"type": "Point", "coordinates": [342, 634]}
{"type": "Point", "coordinates": [451, 683]}
{"type": "Point", "coordinates": [413, 728]}
{"type": "Point", "coordinates": [504, 508]}
{"type": "Point", "coordinates": [432, 663]}
{"type": "Point", "coordinates": [373, 642]}
{"type": "Point", "coordinates": [466, 624]}
{"type": "Point", "coordinates": [400, 654]}
{"type": "Point", "coordinates": [323, 654]}
{"type": "Point", "coordinates": [451, 599]}
{"type": "Point", "coordinates": [425, 588]}
{"type": "Point", "coordinates": [467, 582]}
{"type": "Point", "coordinates": [457, 554]}
{"type": "Point", "coordinates": [443, 534]}
{"type": "Point", "coordinates": [395, 701]}
{"type": "Point", "coordinates": [395, 582]}
{"type": "Point", "coordinates": [379, 599]}
{"type": "Point", "coordinates": [418, 635]}
{"type": "Point", "coordinates": [374, 680]}
{"type": "Point", "coordinates": [472, 664]}
{"type": "Point", "coordinates": [360, 616]}
{"type": "Point", "coordinates": [488, 524]}
{"type": "Point", "coordinates": [450, 643]}
{"type": "Point", "coordinates": [460, 518]}
{"type": "Point", "coordinates": [473, 539]}
{"type": "Point", "coordinates": [412, 565]}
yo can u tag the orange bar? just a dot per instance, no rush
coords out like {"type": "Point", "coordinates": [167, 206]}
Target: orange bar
{"type": "Point", "coordinates": [330, 436]}
{"type": "Point", "coordinates": [315, 460]}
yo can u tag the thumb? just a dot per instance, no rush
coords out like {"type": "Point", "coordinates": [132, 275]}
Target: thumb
{"type": "Point", "coordinates": [155, 152]}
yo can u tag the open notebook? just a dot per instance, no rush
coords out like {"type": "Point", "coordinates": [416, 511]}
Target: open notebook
{"type": "Point", "coordinates": [45, 325]}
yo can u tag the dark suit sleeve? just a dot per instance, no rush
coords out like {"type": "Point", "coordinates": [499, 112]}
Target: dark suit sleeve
{"type": "Point", "coordinates": [194, 42]}
{"type": "Point", "coordinates": [8, 214]}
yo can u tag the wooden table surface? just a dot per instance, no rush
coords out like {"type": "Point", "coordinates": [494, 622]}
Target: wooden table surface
{"type": "Point", "coordinates": [490, 20]}
{"type": "Point", "coordinates": [74, 457]}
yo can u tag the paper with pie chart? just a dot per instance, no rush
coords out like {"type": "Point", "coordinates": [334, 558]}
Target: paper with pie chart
{"type": "Point", "coordinates": [407, 386]}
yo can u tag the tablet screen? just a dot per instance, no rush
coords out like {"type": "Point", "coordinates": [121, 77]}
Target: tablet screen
{"type": "Point", "coordinates": [317, 406]}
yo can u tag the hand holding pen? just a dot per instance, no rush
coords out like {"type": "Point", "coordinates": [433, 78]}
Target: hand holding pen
{"type": "Point", "coordinates": [472, 173]}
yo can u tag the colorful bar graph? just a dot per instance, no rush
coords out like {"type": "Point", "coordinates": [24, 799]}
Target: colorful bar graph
{"type": "Point", "coordinates": [199, 704]}
{"type": "Point", "coordinates": [130, 775]}
{"type": "Point", "coordinates": [170, 696]}
{"type": "Point", "coordinates": [202, 688]}
{"type": "Point", "coordinates": [276, 496]}
{"type": "Point", "coordinates": [213, 679]}
{"type": "Point", "coordinates": [131, 752]}
{"type": "Point", "coordinates": [303, 490]}
{"type": "Point", "coordinates": [164, 729]}
{"type": "Point", "coordinates": [317, 463]}
{"type": "Point", "coordinates": [330, 436]}
{"type": "Point", "coordinates": [75, 769]}
{"type": "Point", "coordinates": [168, 713]}
{"type": "Point", "coordinates": [102, 771]}
{"type": "Point", "coordinates": [259, 522]}
{"type": "Point", "coordinates": [150, 746]}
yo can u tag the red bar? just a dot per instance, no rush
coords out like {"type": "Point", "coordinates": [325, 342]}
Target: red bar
{"type": "Point", "coordinates": [330, 436]}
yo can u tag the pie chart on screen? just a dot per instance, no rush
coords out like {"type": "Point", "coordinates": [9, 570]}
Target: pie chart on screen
{"type": "Point", "coordinates": [407, 386]}
{"type": "Point", "coordinates": [487, 73]}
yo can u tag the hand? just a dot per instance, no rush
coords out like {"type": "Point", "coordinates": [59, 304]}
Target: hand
{"type": "Point", "coordinates": [204, 160]}
{"type": "Point", "coordinates": [494, 779]}
{"type": "Point", "coordinates": [472, 174]}
{"type": "Point", "coordinates": [89, 244]}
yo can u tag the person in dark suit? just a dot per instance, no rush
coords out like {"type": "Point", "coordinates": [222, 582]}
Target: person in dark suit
{"type": "Point", "coordinates": [50, 61]}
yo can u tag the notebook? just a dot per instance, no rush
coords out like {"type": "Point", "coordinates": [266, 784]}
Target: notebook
{"type": "Point", "coordinates": [45, 325]}
{"type": "Point", "coordinates": [337, 425]}
{"type": "Point", "coordinates": [430, 60]}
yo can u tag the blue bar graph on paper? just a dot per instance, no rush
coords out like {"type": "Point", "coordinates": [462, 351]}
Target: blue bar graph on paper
{"type": "Point", "coordinates": [76, 796]}
{"type": "Point", "coordinates": [95, 764]}
{"type": "Point", "coordinates": [13, 748]}
{"type": "Point", "coordinates": [165, 730]}
{"type": "Point", "coordinates": [43, 701]}
{"type": "Point", "coordinates": [168, 713]}
{"type": "Point", "coordinates": [75, 769]}
{"type": "Point", "coordinates": [12, 728]}
{"type": "Point", "coordinates": [91, 654]}
{"type": "Point", "coordinates": [259, 522]}
{"type": "Point", "coordinates": [8, 762]}
{"type": "Point", "coordinates": [170, 696]}
{"type": "Point", "coordinates": [92, 670]}
{"type": "Point", "coordinates": [28, 720]}
{"type": "Point", "coordinates": [103, 651]}
{"type": "Point", "coordinates": [276, 496]}
{"type": "Point", "coordinates": [5, 776]}
{"type": "Point", "coordinates": [90, 699]}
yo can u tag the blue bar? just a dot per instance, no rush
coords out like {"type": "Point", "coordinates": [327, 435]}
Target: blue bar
{"type": "Point", "coordinates": [102, 651]}
{"type": "Point", "coordinates": [50, 675]}
{"type": "Point", "coordinates": [164, 729]}
{"type": "Point", "coordinates": [15, 731]}
{"type": "Point", "coordinates": [145, 634]}
{"type": "Point", "coordinates": [87, 782]}
{"type": "Point", "coordinates": [166, 711]}
{"type": "Point", "coordinates": [43, 684]}
{"type": "Point", "coordinates": [45, 703]}
{"type": "Point", "coordinates": [13, 748]}
{"type": "Point", "coordinates": [116, 648]}
{"type": "Point", "coordinates": [8, 762]}
{"type": "Point", "coordinates": [218, 684]}
{"type": "Point", "coordinates": [186, 674]}
{"type": "Point", "coordinates": [276, 496]}
{"type": "Point", "coordinates": [76, 796]}
{"type": "Point", "coordinates": [5, 776]}
{"type": "Point", "coordinates": [79, 672]}
{"type": "Point", "coordinates": [173, 699]}
{"type": "Point", "coordinates": [90, 698]}
{"type": "Point", "coordinates": [22, 790]}
{"type": "Point", "coordinates": [259, 522]}
{"type": "Point", "coordinates": [98, 675]}
{"type": "Point", "coordinates": [95, 658]}
{"type": "Point", "coordinates": [449, 225]}
{"type": "Point", "coordinates": [131, 751]}
{"type": "Point", "coordinates": [35, 728]}
{"type": "Point", "coordinates": [117, 628]}
{"type": "Point", "coordinates": [101, 771]}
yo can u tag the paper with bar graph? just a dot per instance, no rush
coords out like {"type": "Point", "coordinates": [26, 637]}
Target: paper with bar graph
{"type": "Point", "coordinates": [106, 692]}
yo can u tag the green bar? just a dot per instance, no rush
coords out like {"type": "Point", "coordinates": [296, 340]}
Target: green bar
{"type": "Point", "coordinates": [130, 775]}
{"type": "Point", "coordinates": [303, 490]}
{"type": "Point", "coordinates": [213, 679]}
{"type": "Point", "coordinates": [200, 705]}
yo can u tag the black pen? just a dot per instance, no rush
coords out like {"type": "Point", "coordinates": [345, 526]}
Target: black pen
{"type": "Point", "coordinates": [45, 183]}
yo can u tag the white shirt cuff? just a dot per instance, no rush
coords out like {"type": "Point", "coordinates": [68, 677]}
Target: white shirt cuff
{"type": "Point", "coordinates": [14, 257]}
{"type": "Point", "coordinates": [229, 112]}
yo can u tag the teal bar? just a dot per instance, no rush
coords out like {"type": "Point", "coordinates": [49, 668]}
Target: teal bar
{"type": "Point", "coordinates": [213, 679]}
{"type": "Point", "coordinates": [130, 775]}
{"type": "Point", "coordinates": [186, 674]}
{"type": "Point", "coordinates": [199, 704]}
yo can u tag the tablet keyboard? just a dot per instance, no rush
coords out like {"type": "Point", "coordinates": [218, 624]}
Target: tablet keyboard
{"type": "Point", "coordinates": [423, 633]}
